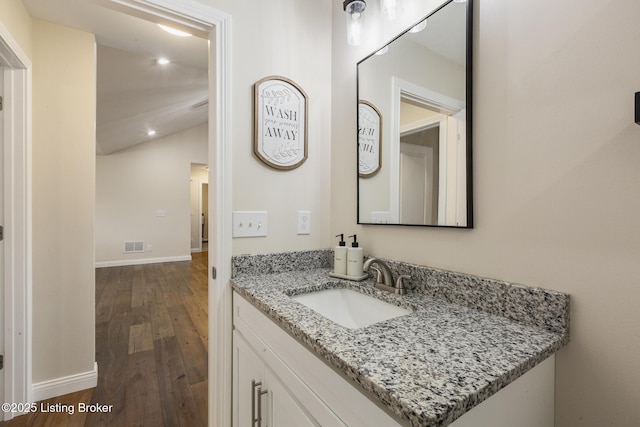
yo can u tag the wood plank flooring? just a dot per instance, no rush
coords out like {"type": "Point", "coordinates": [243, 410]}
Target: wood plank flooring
{"type": "Point", "coordinates": [151, 349]}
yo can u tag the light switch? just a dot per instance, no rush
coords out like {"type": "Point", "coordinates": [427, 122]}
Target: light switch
{"type": "Point", "coordinates": [304, 222]}
{"type": "Point", "coordinates": [249, 223]}
{"type": "Point", "coordinates": [380, 217]}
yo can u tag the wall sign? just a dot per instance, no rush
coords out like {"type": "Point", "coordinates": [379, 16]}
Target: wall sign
{"type": "Point", "coordinates": [369, 139]}
{"type": "Point", "coordinates": [280, 123]}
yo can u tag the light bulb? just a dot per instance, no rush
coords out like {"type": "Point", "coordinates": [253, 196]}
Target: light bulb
{"type": "Point", "coordinates": [355, 17]}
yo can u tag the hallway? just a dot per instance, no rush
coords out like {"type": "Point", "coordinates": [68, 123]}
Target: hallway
{"type": "Point", "coordinates": [151, 349]}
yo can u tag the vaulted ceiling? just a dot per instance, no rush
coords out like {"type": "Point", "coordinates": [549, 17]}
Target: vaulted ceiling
{"type": "Point", "coordinates": [135, 93]}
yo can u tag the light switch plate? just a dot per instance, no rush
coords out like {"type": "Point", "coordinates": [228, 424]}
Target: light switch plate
{"type": "Point", "coordinates": [304, 222]}
{"type": "Point", "coordinates": [249, 223]}
{"type": "Point", "coordinates": [380, 217]}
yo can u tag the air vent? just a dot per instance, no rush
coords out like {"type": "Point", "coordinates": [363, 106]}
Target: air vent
{"type": "Point", "coordinates": [133, 247]}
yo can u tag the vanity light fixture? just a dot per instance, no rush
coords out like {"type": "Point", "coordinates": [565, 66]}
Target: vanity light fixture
{"type": "Point", "coordinates": [355, 16]}
{"type": "Point", "coordinates": [391, 9]}
{"type": "Point", "coordinates": [174, 31]}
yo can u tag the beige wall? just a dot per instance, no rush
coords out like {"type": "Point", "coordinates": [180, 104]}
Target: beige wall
{"type": "Point", "coordinates": [291, 38]}
{"type": "Point", "coordinates": [63, 201]}
{"type": "Point", "coordinates": [132, 184]}
{"type": "Point", "coordinates": [556, 178]}
{"type": "Point", "coordinates": [16, 19]}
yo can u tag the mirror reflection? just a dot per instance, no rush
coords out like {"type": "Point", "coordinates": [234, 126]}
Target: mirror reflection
{"type": "Point", "coordinates": [414, 139]}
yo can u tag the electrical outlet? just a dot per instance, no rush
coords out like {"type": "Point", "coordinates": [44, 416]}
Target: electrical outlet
{"type": "Point", "coordinates": [304, 222]}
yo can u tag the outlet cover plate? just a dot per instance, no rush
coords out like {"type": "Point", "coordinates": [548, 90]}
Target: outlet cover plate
{"type": "Point", "coordinates": [304, 222]}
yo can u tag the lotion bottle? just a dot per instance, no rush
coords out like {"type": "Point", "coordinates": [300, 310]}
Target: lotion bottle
{"type": "Point", "coordinates": [340, 257]}
{"type": "Point", "coordinates": [355, 258]}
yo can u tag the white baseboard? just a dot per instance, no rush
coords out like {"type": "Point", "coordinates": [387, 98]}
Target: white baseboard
{"type": "Point", "coordinates": [123, 262]}
{"type": "Point", "coordinates": [65, 385]}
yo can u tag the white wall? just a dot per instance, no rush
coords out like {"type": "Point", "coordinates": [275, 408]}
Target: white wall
{"type": "Point", "coordinates": [64, 103]}
{"type": "Point", "coordinates": [556, 182]}
{"type": "Point", "coordinates": [133, 184]}
{"type": "Point", "coordinates": [291, 38]}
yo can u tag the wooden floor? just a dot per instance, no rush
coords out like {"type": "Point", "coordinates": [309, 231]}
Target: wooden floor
{"type": "Point", "coordinates": [151, 349]}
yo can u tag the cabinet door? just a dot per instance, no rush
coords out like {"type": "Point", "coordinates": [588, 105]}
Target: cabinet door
{"type": "Point", "coordinates": [248, 369]}
{"type": "Point", "coordinates": [277, 406]}
{"type": "Point", "coordinates": [284, 409]}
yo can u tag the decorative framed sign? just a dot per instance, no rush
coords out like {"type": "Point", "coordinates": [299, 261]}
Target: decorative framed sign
{"type": "Point", "coordinates": [369, 139]}
{"type": "Point", "coordinates": [280, 123]}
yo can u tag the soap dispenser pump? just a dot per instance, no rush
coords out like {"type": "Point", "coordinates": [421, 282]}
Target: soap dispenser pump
{"type": "Point", "coordinates": [355, 258]}
{"type": "Point", "coordinates": [340, 257]}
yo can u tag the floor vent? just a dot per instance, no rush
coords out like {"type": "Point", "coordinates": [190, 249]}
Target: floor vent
{"type": "Point", "coordinates": [133, 247]}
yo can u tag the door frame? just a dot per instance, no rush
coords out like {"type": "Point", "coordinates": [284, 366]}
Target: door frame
{"type": "Point", "coordinates": [403, 89]}
{"type": "Point", "coordinates": [17, 206]}
{"type": "Point", "coordinates": [216, 26]}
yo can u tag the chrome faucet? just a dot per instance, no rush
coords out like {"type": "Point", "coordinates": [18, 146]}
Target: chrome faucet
{"type": "Point", "coordinates": [384, 277]}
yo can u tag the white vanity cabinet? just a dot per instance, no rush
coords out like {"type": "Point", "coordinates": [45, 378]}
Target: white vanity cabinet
{"type": "Point", "coordinates": [262, 399]}
{"type": "Point", "coordinates": [301, 390]}
{"type": "Point", "coordinates": [297, 389]}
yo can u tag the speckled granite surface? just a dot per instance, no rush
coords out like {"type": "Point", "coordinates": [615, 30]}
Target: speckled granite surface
{"type": "Point", "coordinates": [467, 338]}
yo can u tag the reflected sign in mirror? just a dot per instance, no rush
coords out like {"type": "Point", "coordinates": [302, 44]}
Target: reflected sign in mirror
{"type": "Point", "coordinates": [420, 84]}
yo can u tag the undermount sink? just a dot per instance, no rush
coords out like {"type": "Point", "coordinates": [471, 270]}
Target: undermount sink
{"type": "Point", "coordinates": [350, 308]}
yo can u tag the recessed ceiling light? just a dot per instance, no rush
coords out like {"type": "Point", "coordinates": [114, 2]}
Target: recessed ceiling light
{"type": "Point", "coordinates": [419, 27]}
{"type": "Point", "coordinates": [162, 61]}
{"type": "Point", "coordinates": [174, 31]}
{"type": "Point", "coordinates": [151, 132]}
{"type": "Point", "coordinates": [383, 50]}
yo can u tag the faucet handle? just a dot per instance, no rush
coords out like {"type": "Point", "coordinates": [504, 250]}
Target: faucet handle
{"type": "Point", "coordinates": [378, 274]}
{"type": "Point", "coordinates": [399, 281]}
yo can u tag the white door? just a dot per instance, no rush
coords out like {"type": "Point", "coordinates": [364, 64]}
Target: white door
{"type": "Point", "coordinates": [416, 184]}
{"type": "Point", "coordinates": [248, 374]}
{"type": "Point", "coordinates": [2, 242]}
{"type": "Point", "coordinates": [284, 409]}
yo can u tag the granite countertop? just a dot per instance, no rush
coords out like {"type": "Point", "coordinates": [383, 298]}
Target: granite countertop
{"type": "Point", "coordinates": [428, 367]}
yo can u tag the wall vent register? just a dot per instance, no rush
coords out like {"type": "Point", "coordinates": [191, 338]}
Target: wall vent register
{"type": "Point", "coordinates": [133, 247]}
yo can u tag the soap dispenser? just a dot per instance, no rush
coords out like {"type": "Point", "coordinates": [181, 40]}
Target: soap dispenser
{"type": "Point", "coordinates": [355, 258]}
{"type": "Point", "coordinates": [340, 257]}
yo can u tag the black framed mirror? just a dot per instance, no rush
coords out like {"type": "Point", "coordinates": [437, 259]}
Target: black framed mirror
{"type": "Point", "coordinates": [414, 124]}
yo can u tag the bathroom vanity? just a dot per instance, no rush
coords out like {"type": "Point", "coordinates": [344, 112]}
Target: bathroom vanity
{"type": "Point", "coordinates": [470, 352]}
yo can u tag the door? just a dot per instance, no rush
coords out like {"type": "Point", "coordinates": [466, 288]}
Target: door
{"type": "Point", "coordinates": [2, 349]}
{"type": "Point", "coordinates": [260, 398]}
{"type": "Point", "coordinates": [284, 409]}
{"type": "Point", "coordinates": [416, 184]}
{"type": "Point", "coordinates": [248, 370]}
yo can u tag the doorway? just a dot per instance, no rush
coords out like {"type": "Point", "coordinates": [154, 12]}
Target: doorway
{"type": "Point", "coordinates": [216, 26]}
{"type": "Point", "coordinates": [16, 204]}
{"type": "Point", "coordinates": [2, 250]}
